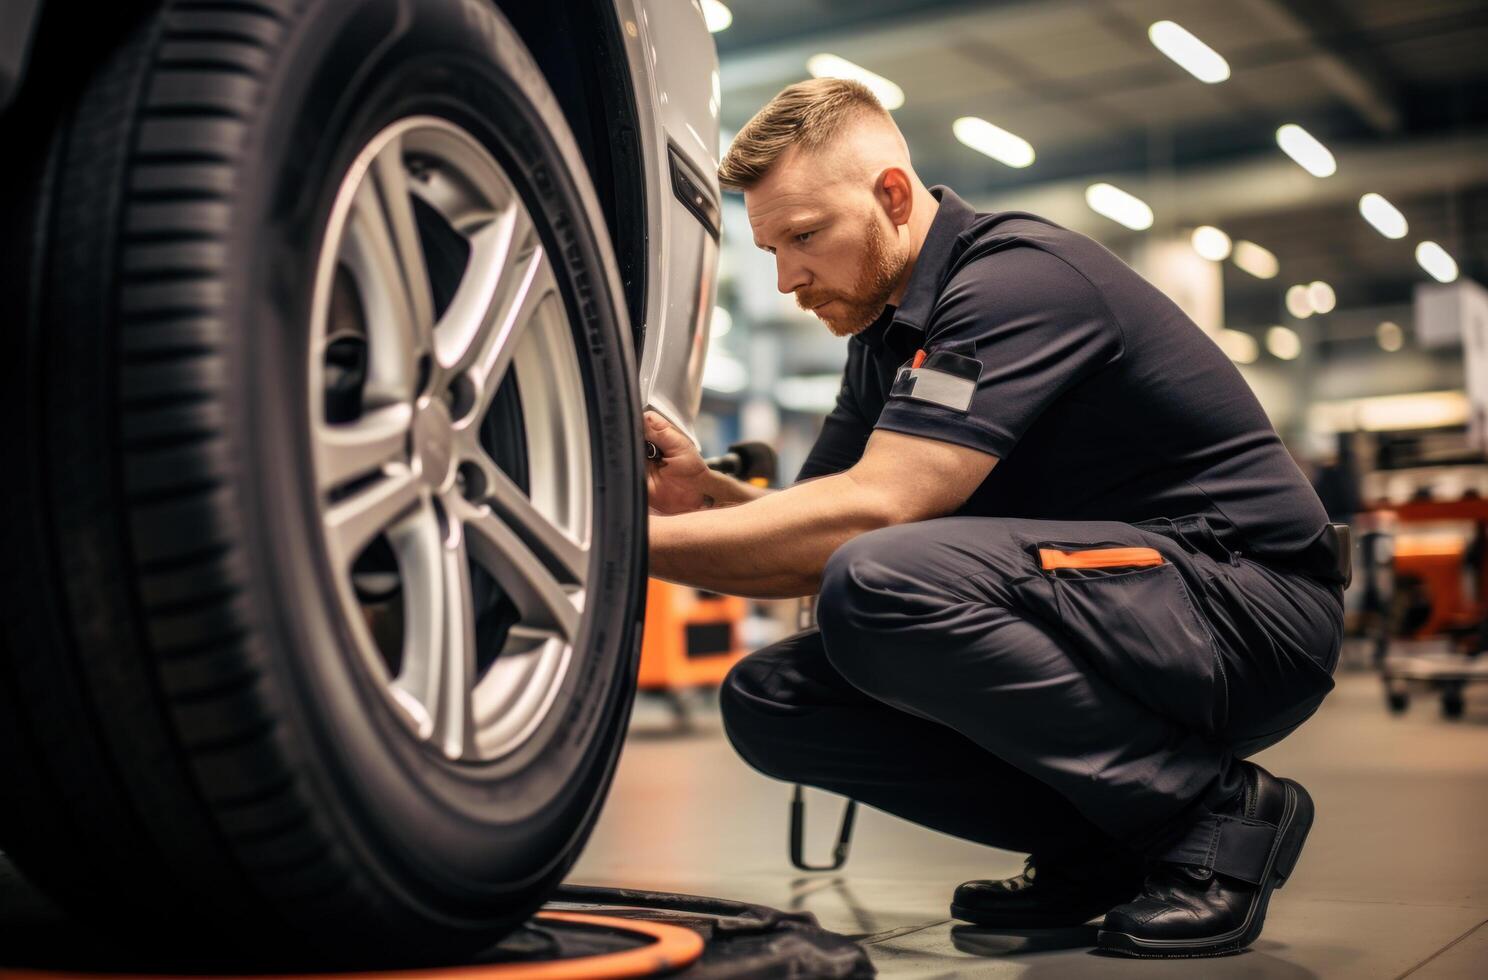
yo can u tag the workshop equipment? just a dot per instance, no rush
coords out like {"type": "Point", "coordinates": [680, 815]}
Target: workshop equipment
{"type": "Point", "coordinates": [1457, 612]}
{"type": "Point", "coordinates": [691, 642]}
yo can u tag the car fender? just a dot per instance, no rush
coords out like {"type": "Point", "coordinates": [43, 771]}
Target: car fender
{"type": "Point", "coordinates": [674, 67]}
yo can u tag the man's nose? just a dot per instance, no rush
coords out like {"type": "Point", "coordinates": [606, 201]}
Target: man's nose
{"type": "Point", "coordinates": [789, 278]}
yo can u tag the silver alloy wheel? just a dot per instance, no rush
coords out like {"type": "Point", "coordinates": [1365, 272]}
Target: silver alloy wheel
{"type": "Point", "coordinates": [409, 471]}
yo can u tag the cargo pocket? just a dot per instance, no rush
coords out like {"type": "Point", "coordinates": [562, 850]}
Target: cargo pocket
{"type": "Point", "coordinates": [1128, 610]}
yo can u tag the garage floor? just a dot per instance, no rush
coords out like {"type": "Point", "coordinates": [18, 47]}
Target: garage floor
{"type": "Point", "coordinates": [1394, 880]}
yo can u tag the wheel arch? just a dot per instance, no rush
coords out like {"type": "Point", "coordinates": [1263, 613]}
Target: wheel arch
{"type": "Point", "coordinates": [610, 139]}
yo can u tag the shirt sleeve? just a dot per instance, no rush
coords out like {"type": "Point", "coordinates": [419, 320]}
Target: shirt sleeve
{"type": "Point", "coordinates": [1011, 333]}
{"type": "Point", "coordinates": [844, 432]}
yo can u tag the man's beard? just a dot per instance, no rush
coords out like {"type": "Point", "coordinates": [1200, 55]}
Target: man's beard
{"type": "Point", "coordinates": [881, 273]}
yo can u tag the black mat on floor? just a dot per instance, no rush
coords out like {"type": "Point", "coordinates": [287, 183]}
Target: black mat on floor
{"type": "Point", "coordinates": [742, 940]}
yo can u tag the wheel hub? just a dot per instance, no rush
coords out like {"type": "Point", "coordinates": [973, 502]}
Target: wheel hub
{"type": "Point", "coordinates": [434, 444]}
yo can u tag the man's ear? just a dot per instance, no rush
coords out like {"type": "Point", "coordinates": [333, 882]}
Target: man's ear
{"type": "Point", "coordinates": [895, 195]}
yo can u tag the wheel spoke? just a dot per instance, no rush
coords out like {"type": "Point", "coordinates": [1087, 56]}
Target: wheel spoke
{"type": "Point", "coordinates": [552, 545]}
{"type": "Point", "coordinates": [353, 522]}
{"type": "Point", "coordinates": [419, 545]}
{"type": "Point", "coordinates": [454, 722]}
{"type": "Point", "coordinates": [510, 278]}
{"type": "Point", "coordinates": [345, 452]}
{"type": "Point", "coordinates": [386, 230]}
{"type": "Point", "coordinates": [546, 602]}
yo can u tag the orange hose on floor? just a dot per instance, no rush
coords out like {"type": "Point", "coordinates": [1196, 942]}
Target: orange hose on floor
{"type": "Point", "coordinates": [671, 948]}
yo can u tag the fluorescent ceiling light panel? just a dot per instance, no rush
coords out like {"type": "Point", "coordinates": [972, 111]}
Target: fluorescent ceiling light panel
{"type": "Point", "coordinates": [1257, 261]}
{"type": "Point", "coordinates": [1435, 260]}
{"type": "Point", "coordinates": [1390, 336]}
{"type": "Point", "coordinates": [1238, 346]}
{"type": "Point", "coordinates": [717, 16]}
{"type": "Point", "coordinates": [816, 393]}
{"type": "Point", "coordinates": [723, 322]}
{"type": "Point", "coordinates": [1119, 206]}
{"type": "Point", "coordinates": [1321, 296]}
{"type": "Point", "coordinates": [1283, 342]}
{"type": "Point", "coordinates": [1298, 302]}
{"type": "Point", "coordinates": [724, 373]}
{"type": "Point", "coordinates": [994, 141]}
{"type": "Point", "coordinates": [1193, 56]}
{"type": "Point", "coordinates": [1211, 243]}
{"type": "Point", "coordinates": [831, 66]}
{"type": "Point", "coordinates": [1385, 217]}
{"type": "Point", "coordinates": [1304, 148]}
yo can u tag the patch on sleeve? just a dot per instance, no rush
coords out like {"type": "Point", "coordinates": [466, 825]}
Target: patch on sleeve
{"type": "Point", "coordinates": [943, 378]}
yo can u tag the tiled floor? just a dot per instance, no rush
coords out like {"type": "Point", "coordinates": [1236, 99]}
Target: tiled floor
{"type": "Point", "coordinates": [1394, 880]}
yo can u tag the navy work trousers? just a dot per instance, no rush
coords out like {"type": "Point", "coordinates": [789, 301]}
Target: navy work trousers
{"type": "Point", "coordinates": [958, 682]}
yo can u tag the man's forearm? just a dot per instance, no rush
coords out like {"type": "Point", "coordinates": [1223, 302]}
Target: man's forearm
{"type": "Point", "coordinates": [771, 547]}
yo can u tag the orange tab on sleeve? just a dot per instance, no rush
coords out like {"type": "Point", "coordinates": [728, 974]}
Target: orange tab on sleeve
{"type": "Point", "coordinates": [1052, 558]}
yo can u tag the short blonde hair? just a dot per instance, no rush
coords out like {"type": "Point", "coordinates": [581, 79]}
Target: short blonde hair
{"type": "Point", "coordinates": [807, 114]}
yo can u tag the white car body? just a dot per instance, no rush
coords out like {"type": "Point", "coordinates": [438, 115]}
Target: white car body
{"type": "Point", "coordinates": [674, 67]}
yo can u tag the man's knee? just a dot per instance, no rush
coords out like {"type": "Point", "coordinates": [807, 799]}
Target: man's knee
{"type": "Point", "coordinates": [893, 586]}
{"type": "Point", "coordinates": [905, 599]}
{"type": "Point", "coordinates": [870, 582]}
{"type": "Point", "coordinates": [874, 603]}
{"type": "Point", "coordinates": [752, 716]}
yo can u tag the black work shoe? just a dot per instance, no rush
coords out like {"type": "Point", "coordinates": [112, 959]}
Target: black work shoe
{"type": "Point", "coordinates": [1185, 910]}
{"type": "Point", "coordinates": [1051, 894]}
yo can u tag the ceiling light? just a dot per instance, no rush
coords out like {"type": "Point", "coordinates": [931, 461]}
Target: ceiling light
{"type": "Point", "coordinates": [1321, 296]}
{"type": "Point", "coordinates": [1255, 260]}
{"type": "Point", "coordinates": [1283, 342]}
{"type": "Point", "coordinates": [816, 393]}
{"type": "Point", "coordinates": [1298, 302]}
{"type": "Point", "coordinates": [1390, 336]}
{"type": "Point", "coordinates": [1193, 56]}
{"type": "Point", "coordinates": [830, 66]}
{"type": "Point", "coordinates": [722, 372]}
{"type": "Point", "coordinates": [1238, 346]}
{"type": "Point", "coordinates": [1211, 243]}
{"type": "Point", "coordinates": [717, 16]}
{"type": "Point", "coordinates": [722, 323]}
{"type": "Point", "coordinates": [1385, 217]}
{"type": "Point", "coordinates": [1303, 147]}
{"type": "Point", "coordinates": [1119, 206]}
{"type": "Point", "coordinates": [1435, 260]}
{"type": "Point", "coordinates": [994, 141]}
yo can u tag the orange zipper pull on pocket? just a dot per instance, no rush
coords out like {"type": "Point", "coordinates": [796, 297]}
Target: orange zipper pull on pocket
{"type": "Point", "coordinates": [1052, 558]}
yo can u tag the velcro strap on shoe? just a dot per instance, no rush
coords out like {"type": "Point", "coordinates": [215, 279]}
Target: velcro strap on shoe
{"type": "Point", "coordinates": [1242, 847]}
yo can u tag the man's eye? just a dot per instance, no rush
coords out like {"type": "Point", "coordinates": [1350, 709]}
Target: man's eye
{"type": "Point", "coordinates": [804, 237]}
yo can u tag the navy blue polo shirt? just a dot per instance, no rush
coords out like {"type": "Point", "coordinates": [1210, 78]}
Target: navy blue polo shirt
{"type": "Point", "coordinates": [1100, 398]}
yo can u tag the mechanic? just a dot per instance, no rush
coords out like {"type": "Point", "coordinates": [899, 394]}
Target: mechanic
{"type": "Point", "coordinates": [1068, 577]}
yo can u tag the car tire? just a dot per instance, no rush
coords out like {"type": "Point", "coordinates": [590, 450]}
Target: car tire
{"type": "Point", "coordinates": [196, 750]}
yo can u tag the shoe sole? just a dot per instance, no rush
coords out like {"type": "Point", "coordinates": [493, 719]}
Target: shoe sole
{"type": "Point", "coordinates": [1011, 920]}
{"type": "Point", "coordinates": [1296, 822]}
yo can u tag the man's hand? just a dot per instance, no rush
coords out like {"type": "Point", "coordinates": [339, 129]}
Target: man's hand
{"type": "Point", "coordinates": [679, 482]}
